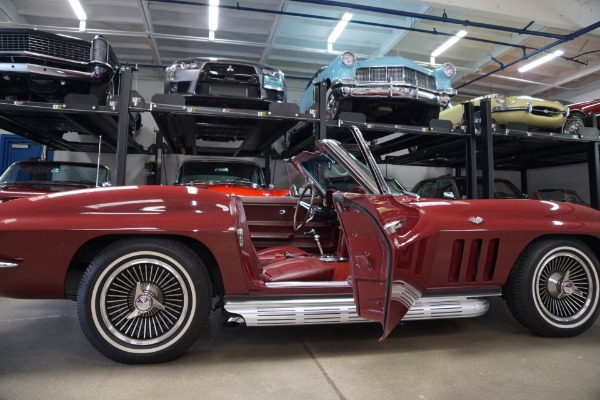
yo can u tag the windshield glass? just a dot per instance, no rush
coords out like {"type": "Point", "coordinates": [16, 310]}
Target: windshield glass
{"type": "Point", "coordinates": [329, 173]}
{"type": "Point", "coordinates": [54, 172]}
{"type": "Point", "coordinates": [219, 171]}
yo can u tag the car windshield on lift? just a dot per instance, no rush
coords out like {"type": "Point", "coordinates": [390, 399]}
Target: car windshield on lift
{"type": "Point", "coordinates": [54, 172]}
{"type": "Point", "coordinates": [220, 172]}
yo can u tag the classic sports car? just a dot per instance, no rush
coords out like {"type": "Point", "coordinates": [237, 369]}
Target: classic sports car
{"type": "Point", "coordinates": [535, 113]}
{"type": "Point", "coordinates": [226, 175]}
{"type": "Point", "coordinates": [225, 82]}
{"type": "Point", "coordinates": [385, 89]}
{"type": "Point", "coordinates": [582, 114]}
{"type": "Point", "coordinates": [147, 264]}
{"type": "Point", "coordinates": [455, 187]}
{"type": "Point", "coordinates": [34, 178]}
{"type": "Point", "coordinates": [43, 66]}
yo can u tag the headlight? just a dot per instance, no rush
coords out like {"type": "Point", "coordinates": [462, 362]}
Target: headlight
{"type": "Point", "coordinates": [185, 65]}
{"type": "Point", "coordinates": [275, 73]}
{"type": "Point", "coordinates": [348, 58]}
{"type": "Point", "coordinates": [449, 70]}
{"type": "Point", "coordinates": [501, 99]}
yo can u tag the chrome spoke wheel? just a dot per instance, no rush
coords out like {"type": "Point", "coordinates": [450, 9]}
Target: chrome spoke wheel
{"type": "Point", "coordinates": [144, 301]}
{"type": "Point", "coordinates": [563, 285]}
{"type": "Point", "coordinates": [553, 287]}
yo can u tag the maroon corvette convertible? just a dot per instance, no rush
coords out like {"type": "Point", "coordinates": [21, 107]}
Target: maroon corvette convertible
{"type": "Point", "coordinates": [147, 265]}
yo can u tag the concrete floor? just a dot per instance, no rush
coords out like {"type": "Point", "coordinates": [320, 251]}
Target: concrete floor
{"type": "Point", "coordinates": [44, 355]}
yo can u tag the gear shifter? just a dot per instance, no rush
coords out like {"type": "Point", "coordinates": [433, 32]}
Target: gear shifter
{"type": "Point", "coordinates": [315, 236]}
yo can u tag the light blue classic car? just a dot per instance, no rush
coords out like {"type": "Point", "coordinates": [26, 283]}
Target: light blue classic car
{"type": "Point", "coordinates": [391, 90]}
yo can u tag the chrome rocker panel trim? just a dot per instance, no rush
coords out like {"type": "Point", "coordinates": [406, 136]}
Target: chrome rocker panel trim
{"type": "Point", "coordinates": [342, 310]}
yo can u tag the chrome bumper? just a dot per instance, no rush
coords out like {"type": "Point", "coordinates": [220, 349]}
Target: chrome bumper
{"type": "Point", "coordinates": [7, 264]}
{"type": "Point", "coordinates": [394, 90]}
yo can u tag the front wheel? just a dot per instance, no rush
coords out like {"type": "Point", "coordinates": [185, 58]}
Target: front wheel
{"type": "Point", "coordinates": [553, 287]}
{"type": "Point", "coordinates": [144, 300]}
{"type": "Point", "coordinates": [572, 125]}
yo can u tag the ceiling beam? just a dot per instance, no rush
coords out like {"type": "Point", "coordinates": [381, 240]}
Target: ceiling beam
{"type": "Point", "coordinates": [9, 10]}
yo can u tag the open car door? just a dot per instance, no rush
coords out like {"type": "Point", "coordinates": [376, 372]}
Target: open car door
{"type": "Point", "coordinates": [383, 290]}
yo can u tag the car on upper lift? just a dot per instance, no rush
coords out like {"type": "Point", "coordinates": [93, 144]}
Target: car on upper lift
{"type": "Point", "coordinates": [229, 175]}
{"type": "Point", "coordinates": [391, 90]}
{"type": "Point", "coordinates": [36, 178]}
{"type": "Point", "coordinates": [225, 82]}
{"type": "Point", "coordinates": [582, 115]}
{"type": "Point", "coordinates": [43, 66]}
{"type": "Point", "coordinates": [533, 112]}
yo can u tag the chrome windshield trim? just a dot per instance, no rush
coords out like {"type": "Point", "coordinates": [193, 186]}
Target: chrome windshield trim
{"type": "Point", "coordinates": [6, 264]}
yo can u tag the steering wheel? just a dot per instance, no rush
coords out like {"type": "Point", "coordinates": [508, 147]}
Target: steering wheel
{"type": "Point", "coordinates": [310, 211]}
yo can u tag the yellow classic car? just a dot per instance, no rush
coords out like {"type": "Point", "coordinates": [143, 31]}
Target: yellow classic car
{"type": "Point", "coordinates": [533, 112]}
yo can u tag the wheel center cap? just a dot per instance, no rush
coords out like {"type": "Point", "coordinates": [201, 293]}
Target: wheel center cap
{"type": "Point", "coordinates": [143, 302]}
{"type": "Point", "coordinates": [568, 288]}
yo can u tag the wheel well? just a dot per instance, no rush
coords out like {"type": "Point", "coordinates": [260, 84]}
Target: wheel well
{"type": "Point", "coordinates": [578, 113]}
{"type": "Point", "coordinates": [89, 250]}
{"type": "Point", "coordinates": [592, 242]}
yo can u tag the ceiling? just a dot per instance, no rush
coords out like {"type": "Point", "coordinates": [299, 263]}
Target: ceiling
{"type": "Point", "coordinates": [292, 35]}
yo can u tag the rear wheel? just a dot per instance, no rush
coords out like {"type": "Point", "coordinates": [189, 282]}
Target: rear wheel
{"type": "Point", "coordinates": [144, 300]}
{"type": "Point", "coordinates": [553, 287]}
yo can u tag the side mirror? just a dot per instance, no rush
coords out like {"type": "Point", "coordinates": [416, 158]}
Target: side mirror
{"type": "Point", "coordinates": [448, 195]}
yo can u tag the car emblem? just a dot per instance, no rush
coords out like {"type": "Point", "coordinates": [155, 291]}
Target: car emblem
{"type": "Point", "coordinates": [476, 220]}
{"type": "Point", "coordinates": [230, 68]}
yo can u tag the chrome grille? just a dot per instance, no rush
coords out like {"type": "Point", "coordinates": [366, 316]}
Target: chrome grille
{"type": "Point", "coordinates": [49, 46]}
{"type": "Point", "coordinates": [545, 111]}
{"type": "Point", "coordinates": [396, 74]}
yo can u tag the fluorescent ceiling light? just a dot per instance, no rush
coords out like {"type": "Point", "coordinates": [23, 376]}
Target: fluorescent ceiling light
{"type": "Point", "coordinates": [211, 35]}
{"type": "Point", "coordinates": [213, 15]}
{"type": "Point", "coordinates": [448, 43]}
{"type": "Point", "coordinates": [82, 25]}
{"type": "Point", "coordinates": [337, 31]}
{"type": "Point", "coordinates": [541, 61]}
{"type": "Point", "coordinates": [76, 6]}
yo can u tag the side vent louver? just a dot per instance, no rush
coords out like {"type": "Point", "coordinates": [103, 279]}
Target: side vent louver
{"type": "Point", "coordinates": [473, 260]}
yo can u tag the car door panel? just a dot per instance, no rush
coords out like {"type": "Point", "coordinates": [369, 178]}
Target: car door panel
{"type": "Point", "coordinates": [381, 292]}
{"type": "Point", "coordinates": [271, 223]}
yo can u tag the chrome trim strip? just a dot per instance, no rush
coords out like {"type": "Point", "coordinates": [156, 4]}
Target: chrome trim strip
{"type": "Point", "coordinates": [48, 71]}
{"type": "Point", "coordinates": [6, 264]}
{"type": "Point", "coordinates": [339, 310]}
{"type": "Point", "coordinates": [306, 284]}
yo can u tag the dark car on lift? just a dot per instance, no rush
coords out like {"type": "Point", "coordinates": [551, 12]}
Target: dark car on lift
{"type": "Point", "coordinates": [45, 67]}
{"type": "Point", "coordinates": [455, 187]}
{"type": "Point", "coordinates": [225, 82]}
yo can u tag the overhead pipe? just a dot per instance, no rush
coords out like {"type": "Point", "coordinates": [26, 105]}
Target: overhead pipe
{"type": "Point", "coordinates": [409, 14]}
{"type": "Point", "coordinates": [567, 38]}
{"type": "Point", "coordinates": [354, 21]}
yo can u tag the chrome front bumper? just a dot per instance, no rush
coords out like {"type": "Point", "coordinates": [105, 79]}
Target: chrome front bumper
{"type": "Point", "coordinates": [394, 90]}
{"type": "Point", "coordinates": [53, 72]}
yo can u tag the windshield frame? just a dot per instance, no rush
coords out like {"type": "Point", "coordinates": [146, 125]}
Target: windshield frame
{"type": "Point", "coordinates": [366, 175]}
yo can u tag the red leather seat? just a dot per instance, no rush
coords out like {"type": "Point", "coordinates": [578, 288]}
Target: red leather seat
{"type": "Point", "coordinates": [279, 253]}
{"type": "Point", "coordinates": [281, 263]}
{"type": "Point", "coordinates": [304, 269]}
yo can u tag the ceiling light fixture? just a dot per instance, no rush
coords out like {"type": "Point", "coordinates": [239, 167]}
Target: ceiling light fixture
{"type": "Point", "coordinates": [446, 45]}
{"type": "Point", "coordinates": [81, 15]}
{"type": "Point", "coordinates": [541, 61]}
{"type": "Point", "coordinates": [337, 31]}
{"type": "Point", "coordinates": [213, 15]}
